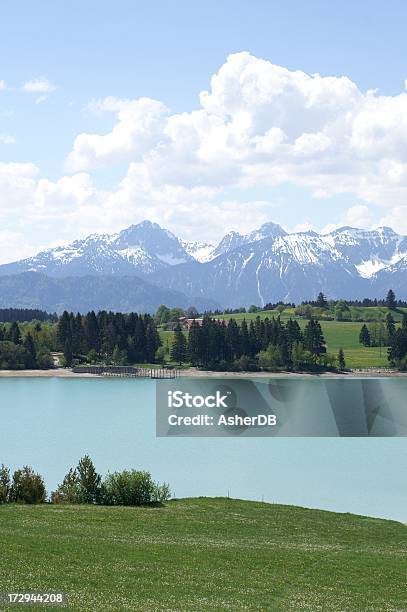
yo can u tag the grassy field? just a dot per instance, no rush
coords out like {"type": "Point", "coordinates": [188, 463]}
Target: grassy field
{"type": "Point", "coordinates": [346, 335]}
{"type": "Point", "coordinates": [204, 554]}
{"type": "Point", "coordinates": [338, 334]}
{"type": "Point", "coordinates": [364, 314]}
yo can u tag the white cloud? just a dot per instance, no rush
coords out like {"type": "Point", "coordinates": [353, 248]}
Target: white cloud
{"type": "Point", "coordinates": [258, 126]}
{"type": "Point", "coordinates": [262, 124]}
{"type": "Point", "coordinates": [13, 246]}
{"type": "Point", "coordinates": [397, 219]}
{"type": "Point", "coordinates": [17, 183]}
{"type": "Point", "coordinates": [39, 85]}
{"type": "Point", "coordinates": [7, 139]}
{"type": "Point", "coordinates": [139, 129]}
{"type": "Point", "coordinates": [358, 216]}
{"type": "Point", "coordinates": [3, 85]}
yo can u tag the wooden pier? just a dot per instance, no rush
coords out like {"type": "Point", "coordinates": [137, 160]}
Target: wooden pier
{"type": "Point", "coordinates": [127, 371]}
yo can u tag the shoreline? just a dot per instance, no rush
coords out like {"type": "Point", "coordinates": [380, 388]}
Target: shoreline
{"type": "Point", "coordinates": [194, 373]}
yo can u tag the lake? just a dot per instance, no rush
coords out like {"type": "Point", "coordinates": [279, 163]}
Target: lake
{"type": "Point", "coordinates": [50, 423]}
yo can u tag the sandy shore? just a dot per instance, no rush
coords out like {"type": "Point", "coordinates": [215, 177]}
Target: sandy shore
{"type": "Point", "coordinates": [54, 373]}
{"type": "Point", "coordinates": [192, 372]}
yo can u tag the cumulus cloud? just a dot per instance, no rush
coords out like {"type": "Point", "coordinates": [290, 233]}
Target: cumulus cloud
{"type": "Point", "coordinates": [262, 124]}
{"type": "Point", "coordinates": [139, 130]}
{"type": "Point", "coordinates": [258, 125]}
{"type": "Point", "coordinates": [39, 85]}
{"type": "Point", "coordinates": [33, 206]}
{"type": "Point", "coordinates": [3, 85]}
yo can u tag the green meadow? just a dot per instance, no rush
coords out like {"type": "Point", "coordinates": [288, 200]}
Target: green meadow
{"type": "Point", "coordinates": [338, 334]}
{"type": "Point", "coordinates": [204, 554]}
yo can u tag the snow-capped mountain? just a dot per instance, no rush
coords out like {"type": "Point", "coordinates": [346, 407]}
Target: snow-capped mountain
{"type": "Point", "coordinates": [347, 263]}
{"type": "Point", "coordinates": [234, 240]}
{"type": "Point", "coordinates": [266, 265]}
{"type": "Point", "coordinates": [140, 249]}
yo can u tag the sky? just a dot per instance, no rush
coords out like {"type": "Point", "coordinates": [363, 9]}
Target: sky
{"type": "Point", "coordinates": [201, 117]}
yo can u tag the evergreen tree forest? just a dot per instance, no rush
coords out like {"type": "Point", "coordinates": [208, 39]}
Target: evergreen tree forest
{"type": "Point", "coordinates": [108, 337]}
{"type": "Point", "coordinates": [263, 343]}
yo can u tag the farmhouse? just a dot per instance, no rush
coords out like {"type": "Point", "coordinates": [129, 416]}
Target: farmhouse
{"type": "Point", "coordinates": [186, 323]}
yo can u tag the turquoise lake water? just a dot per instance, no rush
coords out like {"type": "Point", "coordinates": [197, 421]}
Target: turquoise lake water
{"type": "Point", "coordinates": [50, 423]}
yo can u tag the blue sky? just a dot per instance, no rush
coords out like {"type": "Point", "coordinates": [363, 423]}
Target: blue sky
{"type": "Point", "coordinates": [234, 165]}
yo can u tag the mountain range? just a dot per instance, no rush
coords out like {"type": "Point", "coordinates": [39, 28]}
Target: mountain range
{"type": "Point", "coordinates": [145, 265]}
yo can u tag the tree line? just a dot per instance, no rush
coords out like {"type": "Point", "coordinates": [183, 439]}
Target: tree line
{"type": "Point", "coordinates": [264, 343]}
{"type": "Point", "coordinates": [109, 336]}
{"type": "Point", "coordinates": [21, 352]}
{"type": "Point", "coordinates": [8, 315]}
{"type": "Point", "coordinates": [83, 485]}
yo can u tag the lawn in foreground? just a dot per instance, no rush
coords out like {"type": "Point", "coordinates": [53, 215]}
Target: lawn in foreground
{"type": "Point", "coordinates": [204, 554]}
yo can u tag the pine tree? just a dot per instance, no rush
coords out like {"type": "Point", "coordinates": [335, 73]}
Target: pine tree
{"type": "Point", "coordinates": [233, 340]}
{"type": "Point", "coordinates": [64, 331]}
{"type": "Point", "coordinates": [391, 300]}
{"type": "Point", "coordinates": [153, 341]}
{"type": "Point", "coordinates": [91, 327]}
{"type": "Point", "coordinates": [341, 360]}
{"type": "Point", "coordinates": [364, 336]}
{"type": "Point", "coordinates": [89, 481]}
{"type": "Point", "coordinates": [314, 340]}
{"type": "Point", "coordinates": [68, 353]}
{"type": "Point", "coordinates": [77, 334]}
{"type": "Point", "coordinates": [390, 327]}
{"type": "Point", "coordinates": [14, 333]}
{"type": "Point", "coordinates": [294, 333]}
{"type": "Point", "coordinates": [179, 346]}
{"type": "Point", "coordinates": [321, 302]}
{"type": "Point", "coordinates": [397, 351]}
{"type": "Point", "coordinates": [30, 348]}
{"type": "Point", "coordinates": [253, 343]}
{"type": "Point", "coordinates": [244, 339]}
{"type": "Point", "coordinates": [194, 344]}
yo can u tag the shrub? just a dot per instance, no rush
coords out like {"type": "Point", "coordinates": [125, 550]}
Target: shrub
{"type": "Point", "coordinates": [242, 363]}
{"type": "Point", "coordinates": [44, 359]}
{"type": "Point", "coordinates": [92, 356]}
{"type": "Point", "coordinates": [27, 487]}
{"type": "Point", "coordinates": [402, 364]}
{"type": "Point", "coordinates": [133, 488]}
{"type": "Point", "coordinates": [4, 484]}
{"type": "Point", "coordinates": [271, 358]}
{"type": "Point", "coordinates": [160, 355]}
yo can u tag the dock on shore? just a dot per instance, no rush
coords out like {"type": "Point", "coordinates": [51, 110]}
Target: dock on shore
{"type": "Point", "coordinates": [127, 371]}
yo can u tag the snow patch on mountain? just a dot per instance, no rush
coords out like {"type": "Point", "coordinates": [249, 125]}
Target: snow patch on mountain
{"type": "Point", "coordinates": [367, 269]}
{"type": "Point", "coordinates": [200, 251]}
